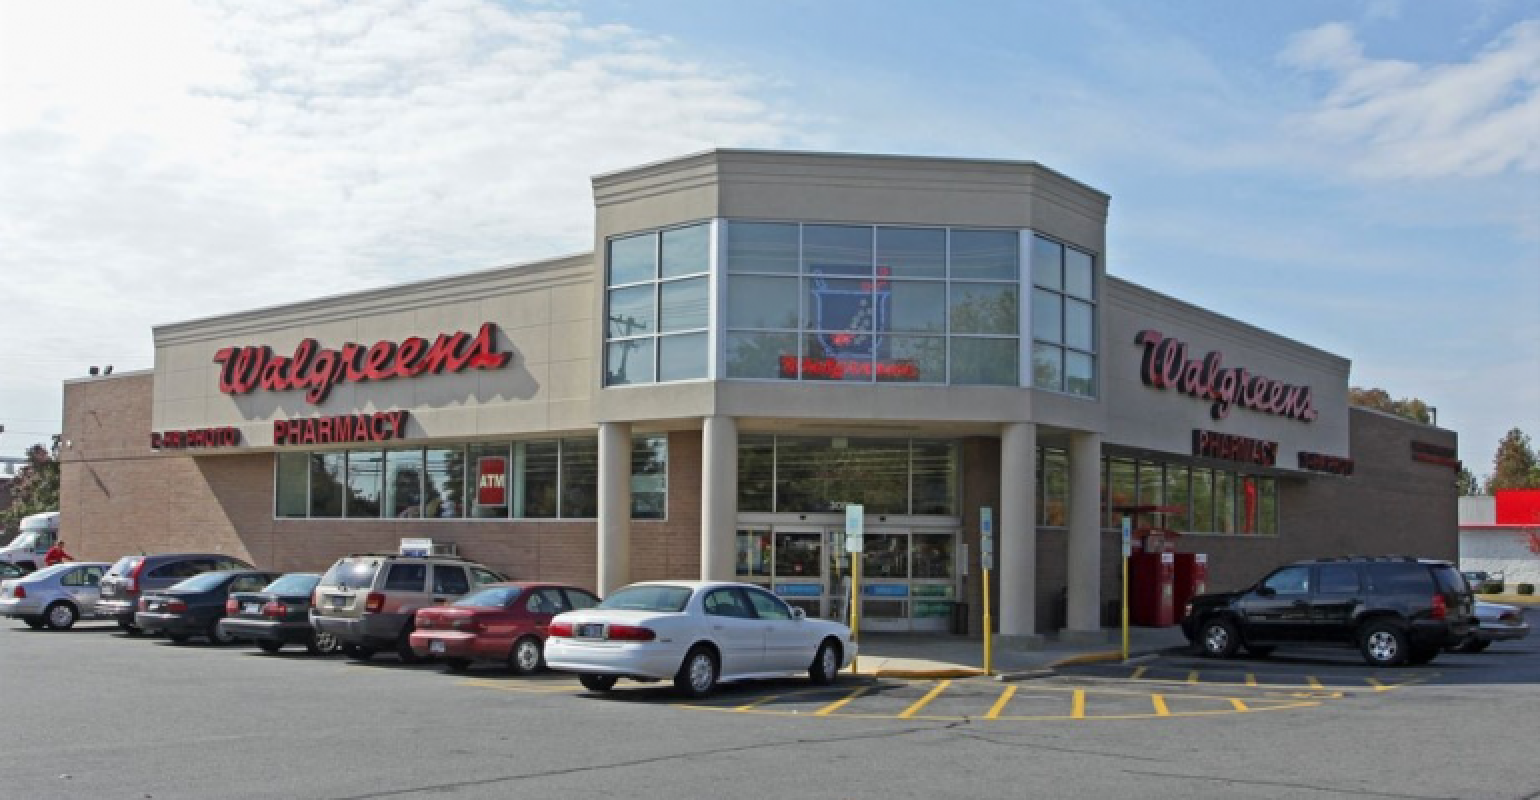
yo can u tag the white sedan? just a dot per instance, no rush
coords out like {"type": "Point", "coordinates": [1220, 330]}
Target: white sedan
{"type": "Point", "coordinates": [697, 633]}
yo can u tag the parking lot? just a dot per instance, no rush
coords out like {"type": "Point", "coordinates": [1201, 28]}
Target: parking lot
{"type": "Point", "coordinates": [93, 713]}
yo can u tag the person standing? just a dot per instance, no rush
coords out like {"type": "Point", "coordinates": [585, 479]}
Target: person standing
{"type": "Point", "coordinates": [56, 555]}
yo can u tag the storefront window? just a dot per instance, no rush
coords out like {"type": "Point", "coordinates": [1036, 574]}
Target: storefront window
{"type": "Point", "coordinates": [444, 490]}
{"type": "Point", "coordinates": [933, 555]}
{"type": "Point", "coordinates": [535, 481]}
{"type": "Point", "coordinates": [764, 247]}
{"type": "Point", "coordinates": [649, 477]}
{"type": "Point", "coordinates": [579, 478]}
{"type": "Point", "coordinates": [1267, 514]}
{"type": "Point", "coordinates": [798, 555]}
{"type": "Point", "coordinates": [1053, 504]}
{"type": "Point", "coordinates": [912, 252]}
{"type": "Point", "coordinates": [815, 473]}
{"type": "Point", "coordinates": [984, 362]}
{"type": "Point", "coordinates": [756, 472]}
{"type": "Point", "coordinates": [934, 472]}
{"type": "Point", "coordinates": [1202, 499]}
{"type": "Point", "coordinates": [491, 460]}
{"type": "Point", "coordinates": [886, 556]}
{"type": "Point", "coordinates": [646, 303]}
{"type": "Point", "coordinates": [1249, 500]}
{"type": "Point", "coordinates": [753, 554]}
{"type": "Point", "coordinates": [1124, 491]}
{"type": "Point", "coordinates": [326, 475]}
{"type": "Point", "coordinates": [1224, 502]}
{"type": "Point", "coordinates": [1152, 492]}
{"type": "Point", "coordinates": [365, 470]}
{"type": "Point", "coordinates": [1178, 493]}
{"type": "Point", "coordinates": [403, 483]}
{"type": "Point", "coordinates": [293, 490]}
{"type": "Point", "coordinates": [1063, 318]}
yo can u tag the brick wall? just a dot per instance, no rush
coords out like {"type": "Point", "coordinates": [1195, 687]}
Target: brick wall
{"type": "Point", "coordinates": [119, 497]}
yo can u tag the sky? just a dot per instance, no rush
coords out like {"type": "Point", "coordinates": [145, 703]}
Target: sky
{"type": "Point", "coordinates": [1363, 177]}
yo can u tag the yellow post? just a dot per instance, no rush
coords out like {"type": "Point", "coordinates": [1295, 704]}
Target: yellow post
{"type": "Point", "coordinates": [988, 626]}
{"type": "Point", "coordinates": [855, 610]}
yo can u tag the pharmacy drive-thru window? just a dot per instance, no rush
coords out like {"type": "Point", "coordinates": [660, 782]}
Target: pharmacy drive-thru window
{"type": "Point", "coordinates": [757, 341]}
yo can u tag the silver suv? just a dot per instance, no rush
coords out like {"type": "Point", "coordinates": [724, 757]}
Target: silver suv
{"type": "Point", "coordinates": [368, 600]}
{"type": "Point", "coordinates": [132, 575]}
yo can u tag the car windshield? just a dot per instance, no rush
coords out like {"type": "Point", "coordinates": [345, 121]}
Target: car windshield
{"type": "Point", "coordinates": [648, 598]}
{"type": "Point", "coordinates": [489, 598]}
{"type": "Point", "coordinates": [124, 565]}
{"type": "Point", "coordinates": [297, 583]}
{"type": "Point", "coordinates": [48, 572]}
{"type": "Point", "coordinates": [25, 541]}
{"type": "Point", "coordinates": [204, 582]}
{"type": "Point", "coordinates": [352, 573]}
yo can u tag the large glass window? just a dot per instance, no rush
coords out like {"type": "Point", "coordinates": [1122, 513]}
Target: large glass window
{"type": "Point", "coordinates": [886, 304]}
{"type": "Point", "coordinates": [1063, 318]}
{"type": "Point", "coordinates": [1053, 504]}
{"type": "Point", "coordinates": [1198, 499]}
{"type": "Point", "coordinates": [657, 306]}
{"type": "Point", "coordinates": [808, 474]}
{"type": "Point", "coordinates": [539, 479]}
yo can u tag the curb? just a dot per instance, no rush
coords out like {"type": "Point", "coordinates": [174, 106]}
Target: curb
{"type": "Point", "coordinates": [923, 674]}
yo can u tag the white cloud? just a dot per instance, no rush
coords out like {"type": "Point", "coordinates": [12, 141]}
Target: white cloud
{"type": "Point", "coordinates": [1396, 119]}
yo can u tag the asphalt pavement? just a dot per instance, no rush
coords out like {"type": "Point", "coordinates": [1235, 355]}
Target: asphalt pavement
{"type": "Point", "coordinates": [95, 714]}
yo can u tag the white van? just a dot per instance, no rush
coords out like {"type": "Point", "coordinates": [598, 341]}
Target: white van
{"type": "Point", "coordinates": [38, 533]}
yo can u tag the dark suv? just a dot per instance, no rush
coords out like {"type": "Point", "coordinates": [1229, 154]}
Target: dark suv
{"type": "Point", "coordinates": [1395, 610]}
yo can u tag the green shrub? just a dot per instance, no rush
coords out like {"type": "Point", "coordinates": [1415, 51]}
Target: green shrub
{"type": "Point", "coordinates": [1526, 588]}
{"type": "Point", "coordinates": [1492, 587]}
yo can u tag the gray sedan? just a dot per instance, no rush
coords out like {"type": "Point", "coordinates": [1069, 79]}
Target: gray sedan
{"type": "Point", "coordinates": [1498, 623]}
{"type": "Point", "coordinates": [54, 596]}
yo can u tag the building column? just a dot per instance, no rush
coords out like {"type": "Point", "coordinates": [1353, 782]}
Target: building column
{"type": "Point", "coordinates": [1085, 534]}
{"type": "Point", "coordinates": [614, 506]}
{"type": "Point", "coordinates": [718, 498]}
{"type": "Point", "coordinates": [1017, 535]}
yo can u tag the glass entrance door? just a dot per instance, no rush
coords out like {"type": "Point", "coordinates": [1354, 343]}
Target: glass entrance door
{"type": "Point", "coordinates": [798, 569]}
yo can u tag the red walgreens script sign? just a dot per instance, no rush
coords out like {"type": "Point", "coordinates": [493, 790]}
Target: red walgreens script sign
{"type": "Point", "coordinates": [317, 369]}
{"type": "Point", "coordinates": [492, 487]}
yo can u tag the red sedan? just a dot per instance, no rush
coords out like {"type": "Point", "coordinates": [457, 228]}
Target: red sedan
{"type": "Point", "coordinates": [499, 622]}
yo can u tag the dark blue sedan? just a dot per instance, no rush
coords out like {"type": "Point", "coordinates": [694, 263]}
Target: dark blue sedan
{"type": "Point", "coordinates": [195, 606]}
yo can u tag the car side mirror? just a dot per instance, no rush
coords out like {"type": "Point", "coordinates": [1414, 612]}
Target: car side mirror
{"type": "Point", "coordinates": [1266, 591]}
{"type": "Point", "coordinates": [797, 613]}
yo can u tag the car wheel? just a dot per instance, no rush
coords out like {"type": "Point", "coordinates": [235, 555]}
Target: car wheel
{"type": "Point", "coordinates": [1422, 655]}
{"type": "Point", "coordinates": [126, 624]}
{"type": "Point", "coordinates": [457, 664]}
{"type": "Point", "coordinates": [1217, 638]}
{"type": "Point", "coordinates": [404, 649]}
{"type": "Point", "coordinates": [1260, 651]}
{"type": "Point", "coordinates": [270, 645]}
{"type": "Point", "coordinates": [217, 637]}
{"type": "Point", "coordinates": [178, 638]}
{"type": "Point", "coordinates": [1383, 644]}
{"type": "Point", "coordinates": [826, 664]}
{"type": "Point", "coordinates": [61, 616]}
{"type": "Point", "coordinates": [1477, 645]}
{"type": "Point", "coordinates": [527, 656]}
{"type": "Point", "coordinates": [358, 652]}
{"type": "Point", "coordinates": [321, 644]}
{"type": "Point", "coordinates": [598, 683]}
{"type": "Point", "coordinates": [35, 623]}
{"type": "Point", "coordinates": [697, 676]}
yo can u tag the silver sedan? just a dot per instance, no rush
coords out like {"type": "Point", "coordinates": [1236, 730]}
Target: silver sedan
{"type": "Point", "coordinates": [1498, 623]}
{"type": "Point", "coordinates": [54, 596]}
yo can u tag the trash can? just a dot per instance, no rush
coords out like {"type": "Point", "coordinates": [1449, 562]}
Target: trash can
{"type": "Point", "coordinates": [960, 619]}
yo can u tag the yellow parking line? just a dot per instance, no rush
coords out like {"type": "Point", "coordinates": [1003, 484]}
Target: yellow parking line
{"type": "Point", "coordinates": [924, 701]}
{"type": "Point", "coordinates": [761, 701]}
{"type": "Point", "coordinates": [1192, 677]}
{"type": "Point", "coordinates": [1239, 704]}
{"type": "Point", "coordinates": [1077, 707]}
{"type": "Point", "coordinates": [1160, 705]}
{"type": "Point", "coordinates": [1379, 687]}
{"type": "Point", "coordinates": [1005, 697]}
{"type": "Point", "coordinates": [1138, 673]}
{"type": "Point", "coordinates": [1251, 679]}
{"type": "Point", "coordinates": [1314, 684]}
{"type": "Point", "coordinates": [841, 703]}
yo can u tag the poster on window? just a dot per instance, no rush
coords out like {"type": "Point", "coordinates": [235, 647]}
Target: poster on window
{"type": "Point", "coordinates": [492, 485]}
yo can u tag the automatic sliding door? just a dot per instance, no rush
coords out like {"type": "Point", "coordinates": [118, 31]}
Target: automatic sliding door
{"type": "Point", "coordinates": [798, 569]}
{"type": "Point", "coordinates": [934, 583]}
{"type": "Point", "coordinates": [885, 582]}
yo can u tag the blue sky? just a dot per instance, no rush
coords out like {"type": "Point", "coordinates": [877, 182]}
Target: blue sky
{"type": "Point", "coordinates": [1363, 177]}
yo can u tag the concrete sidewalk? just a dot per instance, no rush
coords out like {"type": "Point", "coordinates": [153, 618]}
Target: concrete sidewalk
{"type": "Point", "coordinates": [936, 655]}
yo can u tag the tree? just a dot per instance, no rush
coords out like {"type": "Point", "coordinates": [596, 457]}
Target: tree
{"type": "Point", "coordinates": [1467, 483]}
{"type": "Point", "coordinates": [1379, 399]}
{"type": "Point", "coordinates": [1515, 466]}
{"type": "Point", "coordinates": [35, 489]}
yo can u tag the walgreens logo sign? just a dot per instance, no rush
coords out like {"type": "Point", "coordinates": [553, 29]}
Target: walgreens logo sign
{"type": "Point", "coordinates": [1166, 365]}
{"type": "Point", "coordinates": [318, 370]}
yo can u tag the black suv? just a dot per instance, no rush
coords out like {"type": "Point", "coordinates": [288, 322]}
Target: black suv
{"type": "Point", "coordinates": [1395, 610]}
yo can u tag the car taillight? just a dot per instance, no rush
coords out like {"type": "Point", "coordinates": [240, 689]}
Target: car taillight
{"type": "Point", "coordinates": [561, 629]}
{"type": "Point", "coordinates": [133, 575]}
{"type": "Point", "coordinates": [231, 606]}
{"type": "Point", "coordinates": [144, 603]}
{"type": "Point", "coordinates": [629, 633]}
{"type": "Point", "coordinates": [315, 599]}
{"type": "Point", "coordinates": [176, 606]}
{"type": "Point", "coordinates": [19, 592]}
{"type": "Point", "coordinates": [1440, 607]}
{"type": "Point", "coordinates": [1510, 617]}
{"type": "Point", "coordinates": [466, 624]}
{"type": "Point", "coordinates": [276, 610]}
{"type": "Point", "coordinates": [375, 602]}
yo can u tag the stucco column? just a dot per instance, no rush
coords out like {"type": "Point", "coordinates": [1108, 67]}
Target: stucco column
{"type": "Point", "coordinates": [1085, 534]}
{"type": "Point", "coordinates": [718, 498]}
{"type": "Point", "coordinates": [1017, 542]}
{"type": "Point", "coordinates": [614, 506]}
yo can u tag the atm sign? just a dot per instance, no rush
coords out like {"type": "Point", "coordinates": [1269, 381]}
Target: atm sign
{"type": "Point", "coordinates": [492, 486]}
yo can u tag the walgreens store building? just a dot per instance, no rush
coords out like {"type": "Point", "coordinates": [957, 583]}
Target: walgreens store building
{"type": "Point", "coordinates": [757, 340]}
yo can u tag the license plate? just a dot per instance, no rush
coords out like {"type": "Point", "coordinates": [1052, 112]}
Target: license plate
{"type": "Point", "coordinates": [252, 608]}
{"type": "Point", "coordinates": [591, 631]}
{"type": "Point", "coordinates": [436, 647]}
{"type": "Point", "coordinates": [339, 601]}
